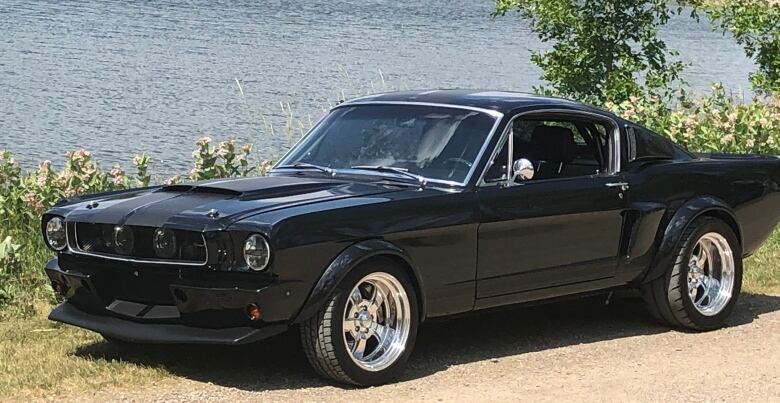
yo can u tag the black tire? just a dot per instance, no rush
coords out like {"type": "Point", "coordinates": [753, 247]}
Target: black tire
{"type": "Point", "coordinates": [322, 335]}
{"type": "Point", "coordinates": [667, 296]}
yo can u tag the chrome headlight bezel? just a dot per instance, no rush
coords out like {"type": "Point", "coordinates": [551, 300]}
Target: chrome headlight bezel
{"type": "Point", "coordinates": [253, 244]}
{"type": "Point", "coordinates": [55, 225]}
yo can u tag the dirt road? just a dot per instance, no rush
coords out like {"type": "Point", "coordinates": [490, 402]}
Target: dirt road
{"type": "Point", "coordinates": [578, 350]}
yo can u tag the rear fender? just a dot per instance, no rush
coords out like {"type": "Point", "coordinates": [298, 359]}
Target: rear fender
{"type": "Point", "coordinates": [347, 260]}
{"type": "Point", "coordinates": [683, 217]}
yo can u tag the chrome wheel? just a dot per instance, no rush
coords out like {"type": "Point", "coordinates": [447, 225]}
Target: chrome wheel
{"type": "Point", "coordinates": [377, 320]}
{"type": "Point", "coordinates": [711, 274]}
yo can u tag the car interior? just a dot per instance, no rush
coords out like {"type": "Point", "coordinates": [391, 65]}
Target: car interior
{"type": "Point", "coordinates": [556, 148]}
{"type": "Point", "coordinates": [440, 144]}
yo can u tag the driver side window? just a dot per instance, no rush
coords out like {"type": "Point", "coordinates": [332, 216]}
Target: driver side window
{"type": "Point", "coordinates": [556, 148]}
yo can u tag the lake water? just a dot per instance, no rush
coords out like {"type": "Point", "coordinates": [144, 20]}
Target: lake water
{"type": "Point", "coordinates": [120, 79]}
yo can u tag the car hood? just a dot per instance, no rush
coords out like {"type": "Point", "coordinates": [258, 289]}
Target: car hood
{"type": "Point", "coordinates": [211, 205]}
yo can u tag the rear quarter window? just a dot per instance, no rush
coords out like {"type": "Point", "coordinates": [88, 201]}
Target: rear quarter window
{"type": "Point", "coordinates": [644, 145]}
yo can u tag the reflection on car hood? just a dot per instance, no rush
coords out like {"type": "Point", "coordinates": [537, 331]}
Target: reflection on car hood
{"type": "Point", "coordinates": [229, 200]}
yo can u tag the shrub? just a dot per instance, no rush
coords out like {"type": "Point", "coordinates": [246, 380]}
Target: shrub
{"type": "Point", "coordinates": [601, 49]}
{"type": "Point", "coordinates": [714, 123]}
{"type": "Point", "coordinates": [755, 25]}
{"type": "Point", "coordinates": [223, 161]}
{"type": "Point", "coordinates": [9, 266]}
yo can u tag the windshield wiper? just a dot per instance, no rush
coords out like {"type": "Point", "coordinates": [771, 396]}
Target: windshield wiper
{"type": "Point", "coordinates": [306, 165]}
{"type": "Point", "coordinates": [395, 170]}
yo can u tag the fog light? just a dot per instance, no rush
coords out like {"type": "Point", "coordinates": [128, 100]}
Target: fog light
{"type": "Point", "coordinates": [253, 312]}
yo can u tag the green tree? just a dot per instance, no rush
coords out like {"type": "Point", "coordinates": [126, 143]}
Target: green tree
{"type": "Point", "coordinates": [755, 24]}
{"type": "Point", "coordinates": [602, 50]}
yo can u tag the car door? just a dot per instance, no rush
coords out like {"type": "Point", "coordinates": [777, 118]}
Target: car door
{"type": "Point", "coordinates": [562, 227]}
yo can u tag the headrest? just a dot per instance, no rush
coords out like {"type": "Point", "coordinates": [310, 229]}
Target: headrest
{"type": "Point", "coordinates": [553, 144]}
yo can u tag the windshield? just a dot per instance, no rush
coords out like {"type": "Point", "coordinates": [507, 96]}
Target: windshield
{"type": "Point", "coordinates": [434, 142]}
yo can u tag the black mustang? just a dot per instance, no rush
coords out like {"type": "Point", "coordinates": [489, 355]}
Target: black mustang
{"type": "Point", "coordinates": [401, 207]}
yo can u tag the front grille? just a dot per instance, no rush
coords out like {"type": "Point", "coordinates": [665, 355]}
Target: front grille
{"type": "Point", "coordinates": [127, 281]}
{"type": "Point", "coordinates": [100, 240]}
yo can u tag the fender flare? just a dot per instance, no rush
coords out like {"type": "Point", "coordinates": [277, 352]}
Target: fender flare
{"type": "Point", "coordinates": [347, 260]}
{"type": "Point", "coordinates": [682, 218]}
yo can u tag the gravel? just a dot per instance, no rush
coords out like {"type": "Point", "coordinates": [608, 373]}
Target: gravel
{"type": "Point", "coordinates": [581, 350]}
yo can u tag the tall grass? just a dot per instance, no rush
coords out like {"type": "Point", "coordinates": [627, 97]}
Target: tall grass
{"type": "Point", "coordinates": [762, 270]}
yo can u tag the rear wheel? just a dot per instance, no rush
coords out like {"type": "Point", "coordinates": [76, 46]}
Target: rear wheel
{"type": "Point", "coordinates": [701, 288]}
{"type": "Point", "coordinates": [366, 331]}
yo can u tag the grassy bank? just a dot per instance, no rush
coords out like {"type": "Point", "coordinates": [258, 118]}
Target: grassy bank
{"type": "Point", "coordinates": [38, 358]}
{"type": "Point", "coordinates": [762, 270]}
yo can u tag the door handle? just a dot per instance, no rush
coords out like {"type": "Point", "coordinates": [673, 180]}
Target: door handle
{"type": "Point", "coordinates": [622, 185]}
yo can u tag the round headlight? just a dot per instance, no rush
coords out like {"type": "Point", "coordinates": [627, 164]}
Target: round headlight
{"type": "Point", "coordinates": [55, 233]}
{"type": "Point", "coordinates": [257, 253]}
{"type": "Point", "coordinates": [164, 243]}
{"type": "Point", "coordinates": [123, 240]}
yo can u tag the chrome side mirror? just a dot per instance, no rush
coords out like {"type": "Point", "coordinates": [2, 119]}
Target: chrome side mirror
{"type": "Point", "coordinates": [522, 170]}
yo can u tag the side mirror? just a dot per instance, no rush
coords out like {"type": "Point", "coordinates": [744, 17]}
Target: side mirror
{"type": "Point", "coordinates": [522, 170]}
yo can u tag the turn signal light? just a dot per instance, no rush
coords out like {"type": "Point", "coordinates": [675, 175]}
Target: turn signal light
{"type": "Point", "coordinates": [59, 288]}
{"type": "Point", "coordinates": [253, 312]}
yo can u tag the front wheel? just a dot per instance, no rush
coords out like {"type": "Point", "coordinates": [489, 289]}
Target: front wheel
{"type": "Point", "coordinates": [366, 331]}
{"type": "Point", "coordinates": [700, 290]}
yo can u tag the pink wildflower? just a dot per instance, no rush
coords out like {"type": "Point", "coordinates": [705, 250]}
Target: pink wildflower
{"type": "Point", "coordinates": [81, 154]}
{"type": "Point", "coordinates": [172, 180]}
{"type": "Point", "coordinates": [65, 175]}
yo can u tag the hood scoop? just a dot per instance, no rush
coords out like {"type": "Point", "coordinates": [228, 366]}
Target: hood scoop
{"type": "Point", "coordinates": [199, 189]}
{"type": "Point", "coordinates": [286, 191]}
{"type": "Point", "coordinates": [255, 188]}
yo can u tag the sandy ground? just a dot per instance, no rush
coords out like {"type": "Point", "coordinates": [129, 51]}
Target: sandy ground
{"type": "Point", "coordinates": [572, 351]}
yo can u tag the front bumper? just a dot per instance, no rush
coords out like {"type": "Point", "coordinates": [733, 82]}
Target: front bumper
{"type": "Point", "coordinates": [160, 333]}
{"type": "Point", "coordinates": [205, 312]}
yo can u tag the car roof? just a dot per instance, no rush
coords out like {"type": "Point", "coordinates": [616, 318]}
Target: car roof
{"type": "Point", "coordinates": [500, 101]}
